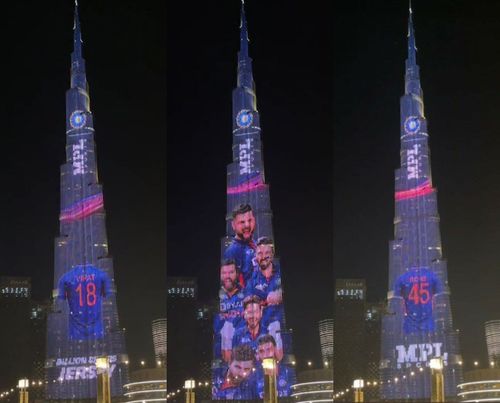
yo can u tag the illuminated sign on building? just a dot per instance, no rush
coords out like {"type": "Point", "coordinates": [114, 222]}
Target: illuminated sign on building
{"type": "Point", "coordinates": [79, 157]}
{"type": "Point", "coordinates": [15, 287]}
{"type": "Point", "coordinates": [412, 164]}
{"type": "Point", "coordinates": [354, 293]}
{"type": "Point", "coordinates": [245, 156]}
{"type": "Point", "coordinates": [182, 287]}
{"type": "Point", "coordinates": [419, 355]}
{"type": "Point", "coordinates": [75, 368]}
{"type": "Point", "coordinates": [350, 288]}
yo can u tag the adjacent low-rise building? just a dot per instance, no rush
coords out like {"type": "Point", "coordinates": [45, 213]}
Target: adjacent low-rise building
{"type": "Point", "coordinates": [481, 385]}
{"type": "Point", "coordinates": [147, 385]}
{"type": "Point", "coordinates": [314, 385]}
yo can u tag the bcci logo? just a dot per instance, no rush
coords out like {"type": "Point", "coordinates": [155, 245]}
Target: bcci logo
{"type": "Point", "coordinates": [244, 118]}
{"type": "Point", "coordinates": [412, 125]}
{"type": "Point", "coordinates": [77, 119]}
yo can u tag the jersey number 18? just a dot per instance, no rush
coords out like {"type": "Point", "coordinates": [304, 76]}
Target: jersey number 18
{"type": "Point", "coordinates": [87, 295]}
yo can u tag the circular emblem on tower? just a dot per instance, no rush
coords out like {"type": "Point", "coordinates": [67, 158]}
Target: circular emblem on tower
{"type": "Point", "coordinates": [412, 125]}
{"type": "Point", "coordinates": [244, 118]}
{"type": "Point", "coordinates": [77, 119]}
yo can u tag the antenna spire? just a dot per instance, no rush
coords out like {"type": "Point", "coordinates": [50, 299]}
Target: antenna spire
{"type": "Point", "coordinates": [77, 34]}
{"type": "Point", "coordinates": [243, 32]}
{"type": "Point", "coordinates": [412, 49]}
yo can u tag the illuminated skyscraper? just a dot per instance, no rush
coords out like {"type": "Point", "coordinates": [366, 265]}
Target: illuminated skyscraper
{"type": "Point", "coordinates": [492, 330]}
{"type": "Point", "coordinates": [350, 358]}
{"type": "Point", "coordinates": [182, 360]}
{"type": "Point", "coordinates": [326, 341]}
{"type": "Point", "coordinates": [252, 282]}
{"type": "Point", "coordinates": [418, 323]}
{"type": "Point", "coordinates": [15, 332]}
{"type": "Point", "coordinates": [159, 327]}
{"type": "Point", "coordinates": [83, 322]}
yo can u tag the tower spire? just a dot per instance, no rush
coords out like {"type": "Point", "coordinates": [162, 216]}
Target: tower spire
{"type": "Point", "coordinates": [243, 32]}
{"type": "Point", "coordinates": [412, 79]}
{"type": "Point", "coordinates": [78, 78]}
{"type": "Point", "coordinates": [412, 49]}
{"type": "Point", "coordinates": [245, 77]}
{"type": "Point", "coordinates": [77, 35]}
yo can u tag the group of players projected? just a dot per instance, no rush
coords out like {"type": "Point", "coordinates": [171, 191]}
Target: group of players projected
{"type": "Point", "coordinates": [248, 327]}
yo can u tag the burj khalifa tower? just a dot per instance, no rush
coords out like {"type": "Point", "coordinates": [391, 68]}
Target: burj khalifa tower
{"type": "Point", "coordinates": [83, 323]}
{"type": "Point", "coordinates": [250, 325]}
{"type": "Point", "coordinates": [417, 325]}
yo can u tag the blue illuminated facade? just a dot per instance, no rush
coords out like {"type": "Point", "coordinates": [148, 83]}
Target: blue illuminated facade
{"type": "Point", "coordinates": [83, 322]}
{"type": "Point", "coordinates": [418, 323]}
{"type": "Point", "coordinates": [250, 324]}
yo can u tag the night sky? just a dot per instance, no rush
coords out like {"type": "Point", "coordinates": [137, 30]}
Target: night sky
{"type": "Point", "coordinates": [124, 47]}
{"type": "Point", "coordinates": [328, 83]}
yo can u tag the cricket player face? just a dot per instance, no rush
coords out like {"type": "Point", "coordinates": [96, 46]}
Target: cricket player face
{"type": "Point", "coordinates": [240, 370]}
{"type": "Point", "coordinates": [265, 350]}
{"type": "Point", "coordinates": [264, 256]}
{"type": "Point", "coordinates": [253, 315]}
{"type": "Point", "coordinates": [244, 225]}
{"type": "Point", "coordinates": [228, 277]}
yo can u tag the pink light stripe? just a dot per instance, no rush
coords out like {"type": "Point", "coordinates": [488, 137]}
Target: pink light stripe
{"type": "Point", "coordinates": [83, 208]}
{"type": "Point", "coordinates": [421, 190]}
{"type": "Point", "coordinates": [248, 186]}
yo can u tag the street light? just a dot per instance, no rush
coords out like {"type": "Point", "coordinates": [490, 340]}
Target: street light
{"type": "Point", "coordinates": [23, 385]}
{"type": "Point", "coordinates": [358, 385]}
{"type": "Point", "coordinates": [437, 380]}
{"type": "Point", "coordinates": [270, 389]}
{"type": "Point", "coordinates": [189, 385]}
{"type": "Point", "coordinates": [103, 384]}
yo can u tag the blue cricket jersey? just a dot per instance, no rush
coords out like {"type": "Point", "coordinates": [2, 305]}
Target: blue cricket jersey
{"type": "Point", "coordinates": [223, 390]}
{"type": "Point", "coordinates": [284, 380]}
{"type": "Point", "coordinates": [261, 286]}
{"type": "Point", "coordinates": [243, 336]}
{"type": "Point", "coordinates": [242, 253]}
{"type": "Point", "coordinates": [418, 287]}
{"type": "Point", "coordinates": [84, 287]}
{"type": "Point", "coordinates": [230, 309]}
